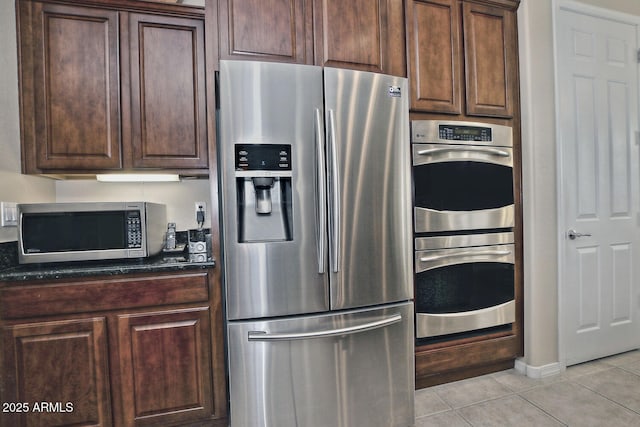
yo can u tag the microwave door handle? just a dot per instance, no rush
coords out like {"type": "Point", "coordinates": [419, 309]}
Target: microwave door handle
{"type": "Point", "coordinates": [289, 336]}
{"type": "Point", "coordinates": [321, 229]}
{"type": "Point", "coordinates": [464, 254]}
{"type": "Point", "coordinates": [483, 150]}
{"type": "Point", "coordinates": [334, 188]}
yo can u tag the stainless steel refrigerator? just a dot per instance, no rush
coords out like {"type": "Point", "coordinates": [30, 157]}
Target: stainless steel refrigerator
{"type": "Point", "coordinates": [316, 214]}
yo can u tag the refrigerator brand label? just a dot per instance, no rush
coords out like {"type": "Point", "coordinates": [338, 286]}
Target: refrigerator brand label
{"type": "Point", "coordinates": [395, 91]}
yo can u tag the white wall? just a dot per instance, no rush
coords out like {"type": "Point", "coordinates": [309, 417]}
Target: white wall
{"type": "Point", "coordinates": [179, 197]}
{"type": "Point", "coordinates": [539, 170]}
{"type": "Point", "coordinates": [14, 187]}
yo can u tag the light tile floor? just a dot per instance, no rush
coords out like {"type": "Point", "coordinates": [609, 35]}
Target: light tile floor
{"type": "Point", "coordinates": [604, 392]}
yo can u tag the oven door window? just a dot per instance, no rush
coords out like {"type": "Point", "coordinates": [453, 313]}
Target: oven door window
{"type": "Point", "coordinates": [463, 185]}
{"type": "Point", "coordinates": [464, 287]}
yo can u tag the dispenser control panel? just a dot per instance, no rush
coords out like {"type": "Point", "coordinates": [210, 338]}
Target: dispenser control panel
{"type": "Point", "coordinates": [265, 157]}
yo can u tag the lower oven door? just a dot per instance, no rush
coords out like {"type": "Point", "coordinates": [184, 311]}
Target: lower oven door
{"type": "Point", "coordinates": [464, 289]}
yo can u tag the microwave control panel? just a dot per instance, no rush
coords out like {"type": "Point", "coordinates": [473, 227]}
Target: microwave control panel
{"type": "Point", "coordinates": [134, 230]}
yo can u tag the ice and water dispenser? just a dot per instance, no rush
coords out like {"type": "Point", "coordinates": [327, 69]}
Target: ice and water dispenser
{"type": "Point", "coordinates": [263, 188]}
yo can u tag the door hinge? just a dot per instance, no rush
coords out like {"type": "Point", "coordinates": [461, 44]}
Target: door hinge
{"type": "Point", "coordinates": [638, 55]}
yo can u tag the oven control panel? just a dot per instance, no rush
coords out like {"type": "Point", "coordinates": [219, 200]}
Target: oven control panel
{"type": "Point", "coordinates": [464, 133]}
{"type": "Point", "coordinates": [460, 133]}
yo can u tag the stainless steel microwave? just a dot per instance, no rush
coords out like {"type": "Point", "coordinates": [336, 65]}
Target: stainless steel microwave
{"type": "Point", "coordinates": [58, 232]}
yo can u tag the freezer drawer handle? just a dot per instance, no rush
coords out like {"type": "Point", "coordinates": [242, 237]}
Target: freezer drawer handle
{"type": "Point", "coordinates": [265, 336]}
{"type": "Point", "coordinates": [484, 150]}
{"type": "Point", "coordinates": [463, 254]}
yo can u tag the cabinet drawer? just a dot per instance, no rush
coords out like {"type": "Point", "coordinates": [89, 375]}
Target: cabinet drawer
{"type": "Point", "coordinates": [97, 295]}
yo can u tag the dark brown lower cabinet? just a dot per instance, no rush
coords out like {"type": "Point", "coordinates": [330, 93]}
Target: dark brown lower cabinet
{"type": "Point", "coordinates": [55, 373]}
{"type": "Point", "coordinates": [139, 350]}
{"type": "Point", "coordinates": [164, 372]}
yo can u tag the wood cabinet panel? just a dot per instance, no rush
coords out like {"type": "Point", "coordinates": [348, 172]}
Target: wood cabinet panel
{"type": "Point", "coordinates": [436, 59]}
{"type": "Point", "coordinates": [168, 105]}
{"type": "Point", "coordinates": [77, 91]}
{"type": "Point", "coordinates": [62, 362]}
{"type": "Point", "coordinates": [272, 30]}
{"type": "Point", "coordinates": [352, 33]}
{"type": "Point", "coordinates": [82, 296]}
{"type": "Point", "coordinates": [106, 88]}
{"type": "Point", "coordinates": [491, 60]}
{"type": "Point", "coordinates": [165, 365]}
{"type": "Point", "coordinates": [463, 57]}
{"type": "Point", "coordinates": [360, 34]}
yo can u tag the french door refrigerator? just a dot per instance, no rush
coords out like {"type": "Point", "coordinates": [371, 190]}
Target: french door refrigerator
{"type": "Point", "coordinates": [316, 219]}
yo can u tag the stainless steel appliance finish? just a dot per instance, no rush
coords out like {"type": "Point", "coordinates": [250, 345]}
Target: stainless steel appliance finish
{"type": "Point", "coordinates": [451, 299]}
{"type": "Point", "coordinates": [369, 189]}
{"type": "Point", "coordinates": [471, 133]}
{"type": "Point", "coordinates": [315, 189]}
{"type": "Point", "coordinates": [463, 176]}
{"type": "Point", "coordinates": [349, 369]}
{"type": "Point", "coordinates": [273, 104]}
{"type": "Point", "coordinates": [59, 232]}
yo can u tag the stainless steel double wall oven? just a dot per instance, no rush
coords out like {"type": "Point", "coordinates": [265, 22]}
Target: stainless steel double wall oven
{"type": "Point", "coordinates": [464, 219]}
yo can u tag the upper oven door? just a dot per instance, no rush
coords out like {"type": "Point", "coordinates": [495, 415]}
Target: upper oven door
{"type": "Point", "coordinates": [462, 187]}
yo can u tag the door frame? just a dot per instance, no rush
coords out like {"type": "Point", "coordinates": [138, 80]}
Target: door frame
{"type": "Point", "coordinates": [596, 12]}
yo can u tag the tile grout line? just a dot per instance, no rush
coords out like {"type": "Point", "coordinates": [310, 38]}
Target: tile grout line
{"type": "Point", "coordinates": [542, 409]}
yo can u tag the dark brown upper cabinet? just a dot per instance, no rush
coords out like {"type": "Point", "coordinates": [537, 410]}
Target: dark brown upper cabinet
{"type": "Point", "coordinates": [463, 57]}
{"type": "Point", "coordinates": [168, 97]}
{"type": "Point", "coordinates": [266, 30]}
{"type": "Point", "coordinates": [358, 34]}
{"type": "Point", "coordinates": [105, 89]}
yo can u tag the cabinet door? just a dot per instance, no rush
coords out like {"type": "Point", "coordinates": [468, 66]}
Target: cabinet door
{"type": "Point", "coordinates": [490, 53]}
{"type": "Point", "coordinates": [165, 367]}
{"type": "Point", "coordinates": [271, 30]}
{"type": "Point", "coordinates": [360, 34]}
{"type": "Point", "coordinates": [168, 94]}
{"type": "Point", "coordinates": [59, 369]}
{"type": "Point", "coordinates": [76, 92]}
{"type": "Point", "coordinates": [435, 55]}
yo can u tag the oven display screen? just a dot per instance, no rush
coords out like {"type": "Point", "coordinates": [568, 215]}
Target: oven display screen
{"type": "Point", "coordinates": [465, 133]}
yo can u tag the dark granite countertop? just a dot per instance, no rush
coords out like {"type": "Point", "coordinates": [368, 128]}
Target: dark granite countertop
{"type": "Point", "coordinates": [11, 271]}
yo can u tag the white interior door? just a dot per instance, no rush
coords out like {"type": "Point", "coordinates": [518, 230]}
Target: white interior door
{"type": "Point", "coordinates": [597, 85]}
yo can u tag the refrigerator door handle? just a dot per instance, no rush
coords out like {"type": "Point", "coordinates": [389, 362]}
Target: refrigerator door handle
{"type": "Point", "coordinates": [321, 228]}
{"type": "Point", "coordinates": [334, 188]}
{"type": "Point", "coordinates": [289, 336]}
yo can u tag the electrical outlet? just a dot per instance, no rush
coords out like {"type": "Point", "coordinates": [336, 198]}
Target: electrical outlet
{"type": "Point", "coordinates": [201, 207]}
{"type": "Point", "coordinates": [8, 214]}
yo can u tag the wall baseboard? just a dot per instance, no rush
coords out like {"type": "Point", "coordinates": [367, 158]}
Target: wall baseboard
{"type": "Point", "coordinates": [538, 371]}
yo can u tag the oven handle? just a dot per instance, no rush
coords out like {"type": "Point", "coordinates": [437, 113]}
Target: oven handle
{"type": "Point", "coordinates": [484, 150]}
{"type": "Point", "coordinates": [266, 336]}
{"type": "Point", "coordinates": [463, 254]}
